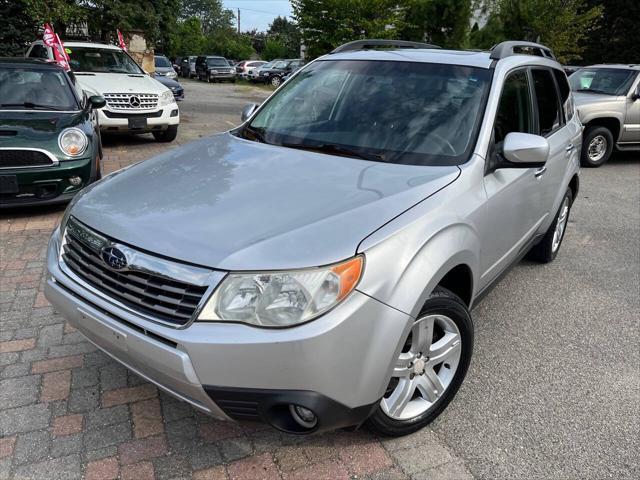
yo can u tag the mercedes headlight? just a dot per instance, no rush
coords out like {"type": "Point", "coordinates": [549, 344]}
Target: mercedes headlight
{"type": "Point", "coordinates": [282, 298]}
{"type": "Point", "coordinates": [72, 142]}
{"type": "Point", "coordinates": [166, 98]}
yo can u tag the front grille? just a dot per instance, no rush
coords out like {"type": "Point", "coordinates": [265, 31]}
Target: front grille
{"type": "Point", "coordinates": [132, 115]}
{"type": "Point", "coordinates": [161, 298]}
{"type": "Point", "coordinates": [24, 159]}
{"type": "Point", "coordinates": [131, 101]}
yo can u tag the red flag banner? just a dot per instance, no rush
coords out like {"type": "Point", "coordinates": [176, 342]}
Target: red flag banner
{"type": "Point", "coordinates": [123, 45]}
{"type": "Point", "coordinates": [51, 39]}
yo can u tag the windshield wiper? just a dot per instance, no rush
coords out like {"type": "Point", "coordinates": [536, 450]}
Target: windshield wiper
{"type": "Point", "coordinates": [593, 90]}
{"type": "Point", "coordinates": [34, 106]}
{"type": "Point", "coordinates": [117, 70]}
{"type": "Point", "coordinates": [336, 149]}
{"type": "Point", "coordinates": [257, 133]}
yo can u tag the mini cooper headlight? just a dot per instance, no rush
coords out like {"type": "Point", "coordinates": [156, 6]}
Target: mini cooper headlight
{"type": "Point", "coordinates": [282, 299]}
{"type": "Point", "coordinates": [72, 142]}
{"type": "Point", "coordinates": [166, 98]}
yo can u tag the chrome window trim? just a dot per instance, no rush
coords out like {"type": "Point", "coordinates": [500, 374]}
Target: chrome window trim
{"type": "Point", "coordinates": [150, 264]}
{"type": "Point", "coordinates": [54, 160]}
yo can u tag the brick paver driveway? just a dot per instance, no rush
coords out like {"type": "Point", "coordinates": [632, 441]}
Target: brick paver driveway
{"type": "Point", "coordinates": [68, 411]}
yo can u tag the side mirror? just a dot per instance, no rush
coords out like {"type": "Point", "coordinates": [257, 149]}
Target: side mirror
{"type": "Point", "coordinates": [636, 95]}
{"type": "Point", "coordinates": [247, 111]}
{"type": "Point", "coordinates": [97, 101]}
{"type": "Point", "coordinates": [523, 150]}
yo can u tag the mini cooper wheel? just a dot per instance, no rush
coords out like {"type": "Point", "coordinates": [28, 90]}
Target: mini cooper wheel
{"type": "Point", "coordinates": [547, 249]}
{"type": "Point", "coordinates": [597, 146]}
{"type": "Point", "coordinates": [430, 367]}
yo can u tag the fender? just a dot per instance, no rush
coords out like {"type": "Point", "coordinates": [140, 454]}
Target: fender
{"type": "Point", "coordinates": [416, 250]}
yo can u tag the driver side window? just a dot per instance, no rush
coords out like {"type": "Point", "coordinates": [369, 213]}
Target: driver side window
{"type": "Point", "coordinates": [515, 112]}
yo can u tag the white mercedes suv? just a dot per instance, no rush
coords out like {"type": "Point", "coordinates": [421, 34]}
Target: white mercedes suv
{"type": "Point", "coordinates": [136, 103]}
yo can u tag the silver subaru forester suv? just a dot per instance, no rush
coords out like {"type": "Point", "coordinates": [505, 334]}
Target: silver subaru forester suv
{"type": "Point", "coordinates": [315, 267]}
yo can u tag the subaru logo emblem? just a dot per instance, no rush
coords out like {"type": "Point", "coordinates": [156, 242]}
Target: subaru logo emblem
{"type": "Point", "coordinates": [134, 101]}
{"type": "Point", "coordinates": [114, 258]}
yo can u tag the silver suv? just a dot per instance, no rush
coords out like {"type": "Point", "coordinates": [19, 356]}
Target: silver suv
{"type": "Point", "coordinates": [608, 101]}
{"type": "Point", "coordinates": [316, 267]}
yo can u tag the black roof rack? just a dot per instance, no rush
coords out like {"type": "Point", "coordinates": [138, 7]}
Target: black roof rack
{"type": "Point", "coordinates": [506, 49]}
{"type": "Point", "coordinates": [372, 43]}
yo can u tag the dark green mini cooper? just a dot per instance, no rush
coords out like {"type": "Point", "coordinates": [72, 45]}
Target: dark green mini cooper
{"type": "Point", "coordinates": [49, 136]}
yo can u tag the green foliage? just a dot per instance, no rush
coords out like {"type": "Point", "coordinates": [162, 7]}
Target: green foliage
{"type": "Point", "coordinates": [325, 24]}
{"type": "Point", "coordinates": [274, 48]}
{"type": "Point", "coordinates": [17, 29]}
{"type": "Point", "coordinates": [442, 22]}
{"type": "Point", "coordinates": [562, 25]}
{"type": "Point", "coordinates": [211, 13]}
{"type": "Point", "coordinates": [286, 36]}
{"type": "Point", "coordinates": [230, 45]}
{"type": "Point", "coordinates": [617, 39]}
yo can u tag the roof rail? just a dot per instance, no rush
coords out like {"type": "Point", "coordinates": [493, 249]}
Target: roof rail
{"type": "Point", "coordinates": [372, 43]}
{"type": "Point", "coordinates": [506, 49]}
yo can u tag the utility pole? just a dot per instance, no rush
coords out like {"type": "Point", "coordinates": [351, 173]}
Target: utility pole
{"type": "Point", "coordinates": [238, 21]}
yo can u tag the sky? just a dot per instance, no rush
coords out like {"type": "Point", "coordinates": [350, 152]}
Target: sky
{"type": "Point", "coordinates": [258, 13]}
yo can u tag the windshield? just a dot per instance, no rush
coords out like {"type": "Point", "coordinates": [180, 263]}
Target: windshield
{"type": "Point", "coordinates": [101, 60]}
{"type": "Point", "coordinates": [162, 62]}
{"type": "Point", "coordinates": [217, 62]}
{"type": "Point", "coordinates": [608, 81]}
{"type": "Point", "coordinates": [281, 64]}
{"type": "Point", "coordinates": [399, 112]}
{"type": "Point", "coordinates": [33, 88]}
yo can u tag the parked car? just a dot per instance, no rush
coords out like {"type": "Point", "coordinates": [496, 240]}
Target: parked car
{"type": "Point", "coordinates": [49, 137]}
{"type": "Point", "coordinates": [243, 68]}
{"type": "Point", "coordinates": [136, 103]}
{"type": "Point", "coordinates": [315, 267]}
{"type": "Point", "coordinates": [213, 69]}
{"type": "Point", "coordinates": [274, 74]}
{"type": "Point", "coordinates": [608, 102]}
{"type": "Point", "coordinates": [254, 74]}
{"type": "Point", "coordinates": [569, 69]}
{"type": "Point", "coordinates": [164, 67]}
{"type": "Point", "coordinates": [173, 85]}
{"type": "Point", "coordinates": [188, 67]}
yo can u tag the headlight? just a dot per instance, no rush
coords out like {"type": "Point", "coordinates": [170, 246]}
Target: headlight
{"type": "Point", "coordinates": [282, 299]}
{"type": "Point", "coordinates": [166, 98]}
{"type": "Point", "coordinates": [264, 74]}
{"type": "Point", "coordinates": [172, 74]}
{"type": "Point", "coordinates": [73, 142]}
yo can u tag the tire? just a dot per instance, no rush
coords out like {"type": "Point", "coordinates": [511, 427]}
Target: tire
{"type": "Point", "coordinates": [441, 304]}
{"type": "Point", "coordinates": [548, 248]}
{"type": "Point", "coordinates": [597, 145]}
{"type": "Point", "coordinates": [275, 81]}
{"type": "Point", "coordinates": [168, 135]}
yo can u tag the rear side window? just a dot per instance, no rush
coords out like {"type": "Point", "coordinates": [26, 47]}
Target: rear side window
{"type": "Point", "coordinates": [565, 93]}
{"type": "Point", "coordinates": [514, 110]}
{"type": "Point", "coordinates": [547, 101]}
{"type": "Point", "coordinates": [39, 51]}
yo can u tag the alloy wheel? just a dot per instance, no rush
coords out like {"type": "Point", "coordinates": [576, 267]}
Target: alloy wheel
{"type": "Point", "coordinates": [425, 368]}
{"type": "Point", "coordinates": [561, 224]}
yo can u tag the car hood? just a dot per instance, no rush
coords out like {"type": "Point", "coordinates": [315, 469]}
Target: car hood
{"type": "Point", "coordinates": [594, 98]}
{"type": "Point", "coordinates": [167, 82]}
{"type": "Point", "coordinates": [101, 83]}
{"type": "Point", "coordinates": [29, 129]}
{"type": "Point", "coordinates": [233, 204]}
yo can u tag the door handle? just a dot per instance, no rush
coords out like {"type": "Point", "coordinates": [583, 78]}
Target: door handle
{"type": "Point", "coordinates": [538, 173]}
{"type": "Point", "coordinates": [570, 147]}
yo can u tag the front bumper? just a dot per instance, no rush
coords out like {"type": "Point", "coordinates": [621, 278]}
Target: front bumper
{"type": "Point", "coordinates": [222, 76]}
{"type": "Point", "coordinates": [159, 119]}
{"type": "Point", "coordinates": [337, 365]}
{"type": "Point", "coordinates": [48, 185]}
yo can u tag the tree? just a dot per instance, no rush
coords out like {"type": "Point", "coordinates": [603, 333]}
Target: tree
{"type": "Point", "coordinates": [212, 14]}
{"type": "Point", "coordinates": [615, 40]}
{"type": "Point", "coordinates": [287, 34]}
{"type": "Point", "coordinates": [230, 44]}
{"type": "Point", "coordinates": [326, 24]}
{"type": "Point", "coordinates": [442, 22]}
{"type": "Point", "coordinates": [187, 38]}
{"type": "Point", "coordinates": [562, 25]}
{"type": "Point", "coordinates": [275, 49]}
{"type": "Point", "coordinates": [17, 28]}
